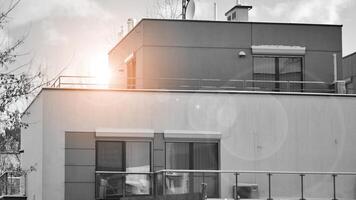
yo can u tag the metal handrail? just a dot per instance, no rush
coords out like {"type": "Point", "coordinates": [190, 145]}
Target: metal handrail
{"type": "Point", "coordinates": [258, 172]}
{"type": "Point", "coordinates": [199, 84]}
{"type": "Point", "coordinates": [123, 172]}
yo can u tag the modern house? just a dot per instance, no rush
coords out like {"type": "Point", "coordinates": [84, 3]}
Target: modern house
{"type": "Point", "coordinates": [349, 71]}
{"type": "Point", "coordinates": [195, 109]}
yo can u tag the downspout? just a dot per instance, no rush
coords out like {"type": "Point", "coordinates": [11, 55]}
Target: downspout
{"type": "Point", "coordinates": [335, 68]}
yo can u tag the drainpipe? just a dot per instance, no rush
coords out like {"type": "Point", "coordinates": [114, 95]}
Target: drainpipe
{"type": "Point", "coordinates": [335, 68]}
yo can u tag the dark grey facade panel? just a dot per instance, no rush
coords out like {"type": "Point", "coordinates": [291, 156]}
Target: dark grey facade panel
{"type": "Point", "coordinates": [80, 174]}
{"type": "Point", "coordinates": [158, 141]}
{"type": "Point", "coordinates": [80, 157]}
{"type": "Point", "coordinates": [158, 158]}
{"type": "Point", "coordinates": [79, 166]}
{"type": "Point", "coordinates": [78, 140]}
{"type": "Point", "coordinates": [79, 191]}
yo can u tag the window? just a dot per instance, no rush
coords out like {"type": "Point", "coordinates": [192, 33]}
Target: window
{"type": "Point", "coordinates": [198, 156]}
{"type": "Point", "coordinates": [131, 74]}
{"type": "Point", "coordinates": [122, 156]}
{"type": "Point", "coordinates": [272, 72]}
{"type": "Point", "coordinates": [233, 16]}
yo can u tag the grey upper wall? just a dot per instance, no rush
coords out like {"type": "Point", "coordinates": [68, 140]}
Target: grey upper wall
{"type": "Point", "coordinates": [349, 65]}
{"type": "Point", "coordinates": [349, 71]}
{"type": "Point", "coordinates": [209, 49]}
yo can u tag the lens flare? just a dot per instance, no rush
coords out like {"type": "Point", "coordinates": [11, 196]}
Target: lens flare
{"type": "Point", "coordinates": [100, 70]}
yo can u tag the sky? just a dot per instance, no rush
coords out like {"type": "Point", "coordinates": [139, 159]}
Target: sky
{"type": "Point", "coordinates": [76, 35]}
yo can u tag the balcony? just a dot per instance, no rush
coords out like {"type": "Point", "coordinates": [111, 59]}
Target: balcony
{"type": "Point", "coordinates": [89, 82]}
{"type": "Point", "coordinates": [201, 184]}
{"type": "Point", "coordinates": [12, 186]}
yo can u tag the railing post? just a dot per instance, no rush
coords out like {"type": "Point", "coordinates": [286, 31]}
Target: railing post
{"type": "Point", "coordinates": [334, 187]}
{"type": "Point", "coordinates": [124, 185]}
{"type": "Point", "coordinates": [59, 81]}
{"type": "Point", "coordinates": [204, 191]}
{"type": "Point", "coordinates": [269, 187]}
{"type": "Point", "coordinates": [164, 184]}
{"type": "Point", "coordinates": [302, 186]}
{"type": "Point", "coordinates": [236, 188]}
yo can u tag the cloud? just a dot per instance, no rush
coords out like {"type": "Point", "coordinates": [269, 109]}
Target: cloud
{"type": "Point", "coordinates": [32, 10]}
{"type": "Point", "coordinates": [316, 11]}
{"type": "Point", "coordinates": [327, 11]}
{"type": "Point", "coordinates": [52, 36]}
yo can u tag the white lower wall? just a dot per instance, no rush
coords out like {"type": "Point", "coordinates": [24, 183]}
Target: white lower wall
{"type": "Point", "coordinates": [32, 144]}
{"type": "Point", "coordinates": [259, 131]}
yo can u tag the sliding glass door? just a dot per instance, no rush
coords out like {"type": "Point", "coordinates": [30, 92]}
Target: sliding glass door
{"type": "Point", "coordinates": [122, 156]}
{"type": "Point", "coordinates": [193, 156]}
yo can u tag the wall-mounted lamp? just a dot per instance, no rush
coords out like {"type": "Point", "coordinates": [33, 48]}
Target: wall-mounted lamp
{"type": "Point", "coordinates": [242, 54]}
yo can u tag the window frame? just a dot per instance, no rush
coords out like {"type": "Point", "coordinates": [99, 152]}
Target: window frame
{"type": "Point", "coordinates": [302, 57]}
{"type": "Point", "coordinates": [124, 141]}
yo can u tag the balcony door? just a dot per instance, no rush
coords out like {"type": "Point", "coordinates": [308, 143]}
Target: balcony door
{"type": "Point", "coordinates": [192, 156]}
{"type": "Point", "coordinates": [121, 156]}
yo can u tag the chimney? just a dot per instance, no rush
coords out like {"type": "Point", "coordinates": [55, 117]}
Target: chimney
{"type": "Point", "coordinates": [130, 24]}
{"type": "Point", "coordinates": [239, 13]}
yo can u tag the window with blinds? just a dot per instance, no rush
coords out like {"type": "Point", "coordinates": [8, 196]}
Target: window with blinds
{"type": "Point", "coordinates": [272, 73]}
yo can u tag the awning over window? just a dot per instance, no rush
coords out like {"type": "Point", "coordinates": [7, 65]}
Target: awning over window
{"type": "Point", "coordinates": [278, 50]}
{"type": "Point", "coordinates": [128, 133]}
{"type": "Point", "coordinates": [192, 134]}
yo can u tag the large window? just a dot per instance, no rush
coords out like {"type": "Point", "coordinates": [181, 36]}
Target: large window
{"type": "Point", "coordinates": [113, 156]}
{"type": "Point", "coordinates": [195, 156]}
{"type": "Point", "coordinates": [271, 73]}
{"type": "Point", "coordinates": [131, 74]}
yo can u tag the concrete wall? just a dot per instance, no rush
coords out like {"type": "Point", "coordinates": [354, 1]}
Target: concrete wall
{"type": "Point", "coordinates": [259, 132]}
{"type": "Point", "coordinates": [209, 50]}
{"type": "Point", "coordinates": [32, 144]}
{"type": "Point", "coordinates": [349, 70]}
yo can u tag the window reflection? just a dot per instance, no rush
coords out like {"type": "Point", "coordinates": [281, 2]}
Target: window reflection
{"type": "Point", "coordinates": [270, 72]}
{"type": "Point", "coordinates": [194, 156]}
{"type": "Point", "coordinates": [133, 157]}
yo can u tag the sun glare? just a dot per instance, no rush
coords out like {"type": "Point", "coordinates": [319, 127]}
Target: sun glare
{"type": "Point", "coordinates": [99, 68]}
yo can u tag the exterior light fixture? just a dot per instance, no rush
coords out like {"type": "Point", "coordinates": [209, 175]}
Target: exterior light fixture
{"type": "Point", "coordinates": [242, 54]}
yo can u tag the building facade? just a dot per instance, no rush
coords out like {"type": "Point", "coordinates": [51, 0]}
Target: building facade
{"type": "Point", "coordinates": [198, 54]}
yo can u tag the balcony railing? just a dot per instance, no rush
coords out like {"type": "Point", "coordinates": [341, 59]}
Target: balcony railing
{"type": "Point", "coordinates": [225, 184]}
{"type": "Point", "coordinates": [197, 84]}
{"type": "Point", "coordinates": [12, 184]}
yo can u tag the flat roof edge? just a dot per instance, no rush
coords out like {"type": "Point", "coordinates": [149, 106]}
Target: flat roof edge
{"type": "Point", "coordinates": [204, 92]}
{"type": "Point", "coordinates": [236, 22]}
